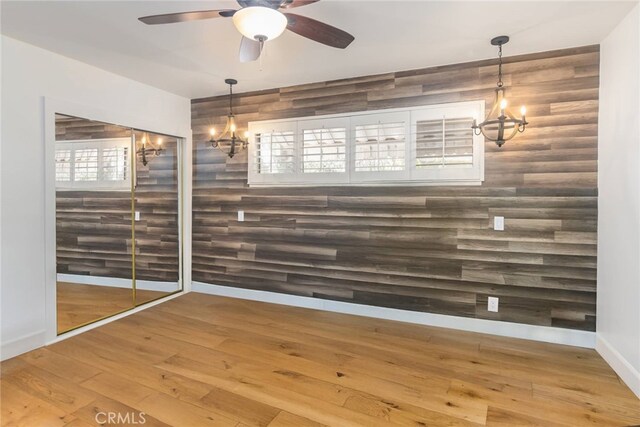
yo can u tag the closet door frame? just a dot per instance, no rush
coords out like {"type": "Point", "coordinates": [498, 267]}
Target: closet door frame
{"type": "Point", "coordinates": [182, 132]}
{"type": "Point", "coordinates": [180, 150]}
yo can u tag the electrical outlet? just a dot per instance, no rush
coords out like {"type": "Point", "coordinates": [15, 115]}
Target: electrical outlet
{"type": "Point", "coordinates": [136, 216]}
{"type": "Point", "coordinates": [240, 216]}
{"type": "Point", "coordinates": [498, 223]}
{"type": "Point", "coordinates": [492, 304]}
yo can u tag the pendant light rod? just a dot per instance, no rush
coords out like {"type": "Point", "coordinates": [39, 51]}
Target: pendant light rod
{"type": "Point", "coordinates": [231, 82]}
{"type": "Point", "coordinates": [499, 41]}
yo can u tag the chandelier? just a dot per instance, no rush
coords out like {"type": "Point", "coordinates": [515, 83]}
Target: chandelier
{"type": "Point", "coordinates": [148, 148]}
{"type": "Point", "coordinates": [229, 142]}
{"type": "Point", "coordinates": [501, 125]}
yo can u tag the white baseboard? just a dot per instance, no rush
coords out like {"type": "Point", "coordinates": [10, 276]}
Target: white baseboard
{"type": "Point", "coordinates": [505, 329]}
{"type": "Point", "coordinates": [114, 282]}
{"type": "Point", "coordinates": [21, 345]}
{"type": "Point", "coordinates": [624, 369]}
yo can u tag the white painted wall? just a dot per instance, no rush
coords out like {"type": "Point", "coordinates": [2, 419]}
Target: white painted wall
{"type": "Point", "coordinates": [618, 324]}
{"type": "Point", "coordinates": [29, 74]}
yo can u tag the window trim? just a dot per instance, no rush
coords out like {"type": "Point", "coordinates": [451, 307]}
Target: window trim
{"type": "Point", "coordinates": [412, 175]}
{"type": "Point", "coordinates": [100, 145]}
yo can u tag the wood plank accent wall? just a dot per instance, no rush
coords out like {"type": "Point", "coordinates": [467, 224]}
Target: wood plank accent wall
{"type": "Point", "coordinates": [93, 228]}
{"type": "Point", "coordinates": [427, 248]}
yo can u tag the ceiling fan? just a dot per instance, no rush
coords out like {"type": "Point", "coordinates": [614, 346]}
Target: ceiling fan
{"type": "Point", "coordinates": [262, 20]}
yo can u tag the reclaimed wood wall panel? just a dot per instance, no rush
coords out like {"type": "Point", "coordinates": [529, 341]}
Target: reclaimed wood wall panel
{"type": "Point", "coordinates": [425, 248]}
{"type": "Point", "coordinates": [93, 228]}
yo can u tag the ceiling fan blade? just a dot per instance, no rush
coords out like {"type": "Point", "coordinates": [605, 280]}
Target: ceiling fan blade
{"type": "Point", "coordinates": [249, 50]}
{"type": "Point", "coordinates": [170, 18]}
{"type": "Point", "coordinates": [318, 31]}
{"type": "Point", "coordinates": [288, 4]}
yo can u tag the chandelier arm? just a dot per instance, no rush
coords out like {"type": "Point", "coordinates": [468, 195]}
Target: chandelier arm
{"type": "Point", "coordinates": [522, 126]}
{"type": "Point", "coordinates": [485, 135]}
{"type": "Point", "coordinates": [514, 132]}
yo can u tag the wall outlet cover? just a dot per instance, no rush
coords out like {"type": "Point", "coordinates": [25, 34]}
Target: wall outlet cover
{"type": "Point", "coordinates": [137, 216]}
{"type": "Point", "coordinates": [498, 223]}
{"type": "Point", "coordinates": [240, 216]}
{"type": "Point", "coordinates": [492, 304]}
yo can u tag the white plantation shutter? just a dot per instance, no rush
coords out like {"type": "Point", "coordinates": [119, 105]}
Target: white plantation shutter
{"type": "Point", "coordinates": [85, 164]}
{"type": "Point", "coordinates": [458, 141]}
{"type": "Point", "coordinates": [324, 150]}
{"type": "Point", "coordinates": [323, 147]}
{"type": "Point", "coordinates": [114, 163]}
{"type": "Point", "coordinates": [380, 147]}
{"type": "Point", "coordinates": [63, 165]}
{"type": "Point", "coordinates": [444, 142]}
{"type": "Point", "coordinates": [444, 147]}
{"type": "Point", "coordinates": [275, 152]}
{"type": "Point", "coordinates": [99, 164]}
{"type": "Point", "coordinates": [433, 144]}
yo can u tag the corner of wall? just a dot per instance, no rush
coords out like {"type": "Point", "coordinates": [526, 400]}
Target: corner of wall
{"type": "Point", "coordinates": [627, 373]}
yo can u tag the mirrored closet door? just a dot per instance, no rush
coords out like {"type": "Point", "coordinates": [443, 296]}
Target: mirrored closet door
{"type": "Point", "coordinates": [117, 219]}
{"type": "Point", "coordinates": [157, 261]}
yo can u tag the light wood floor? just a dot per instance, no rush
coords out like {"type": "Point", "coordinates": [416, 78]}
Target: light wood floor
{"type": "Point", "coordinates": [79, 304]}
{"type": "Point", "coordinates": [200, 360]}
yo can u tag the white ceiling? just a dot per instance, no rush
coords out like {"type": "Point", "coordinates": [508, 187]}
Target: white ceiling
{"type": "Point", "coordinates": [193, 58]}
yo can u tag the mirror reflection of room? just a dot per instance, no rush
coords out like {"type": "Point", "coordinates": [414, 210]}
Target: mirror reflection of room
{"type": "Point", "coordinates": [156, 204]}
{"type": "Point", "coordinates": [93, 221]}
{"type": "Point", "coordinates": [117, 219]}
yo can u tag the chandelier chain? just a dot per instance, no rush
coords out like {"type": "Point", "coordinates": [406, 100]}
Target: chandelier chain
{"type": "Point", "coordinates": [500, 84]}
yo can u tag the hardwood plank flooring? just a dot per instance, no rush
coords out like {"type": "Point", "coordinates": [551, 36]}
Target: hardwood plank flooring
{"type": "Point", "coordinates": [79, 304]}
{"type": "Point", "coordinates": [202, 360]}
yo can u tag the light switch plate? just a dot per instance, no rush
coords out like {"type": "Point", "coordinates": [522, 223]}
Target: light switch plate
{"type": "Point", "coordinates": [240, 216]}
{"type": "Point", "coordinates": [492, 304]}
{"type": "Point", "coordinates": [498, 223]}
{"type": "Point", "coordinates": [137, 215]}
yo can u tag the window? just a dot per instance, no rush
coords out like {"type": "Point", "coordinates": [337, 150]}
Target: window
{"type": "Point", "coordinates": [380, 147]}
{"type": "Point", "coordinates": [323, 150]}
{"type": "Point", "coordinates": [424, 145]}
{"type": "Point", "coordinates": [100, 164]}
{"type": "Point", "coordinates": [275, 151]}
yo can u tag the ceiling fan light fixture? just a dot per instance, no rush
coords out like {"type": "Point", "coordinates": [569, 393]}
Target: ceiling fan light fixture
{"type": "Point", "coordinates": [260, 23]}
